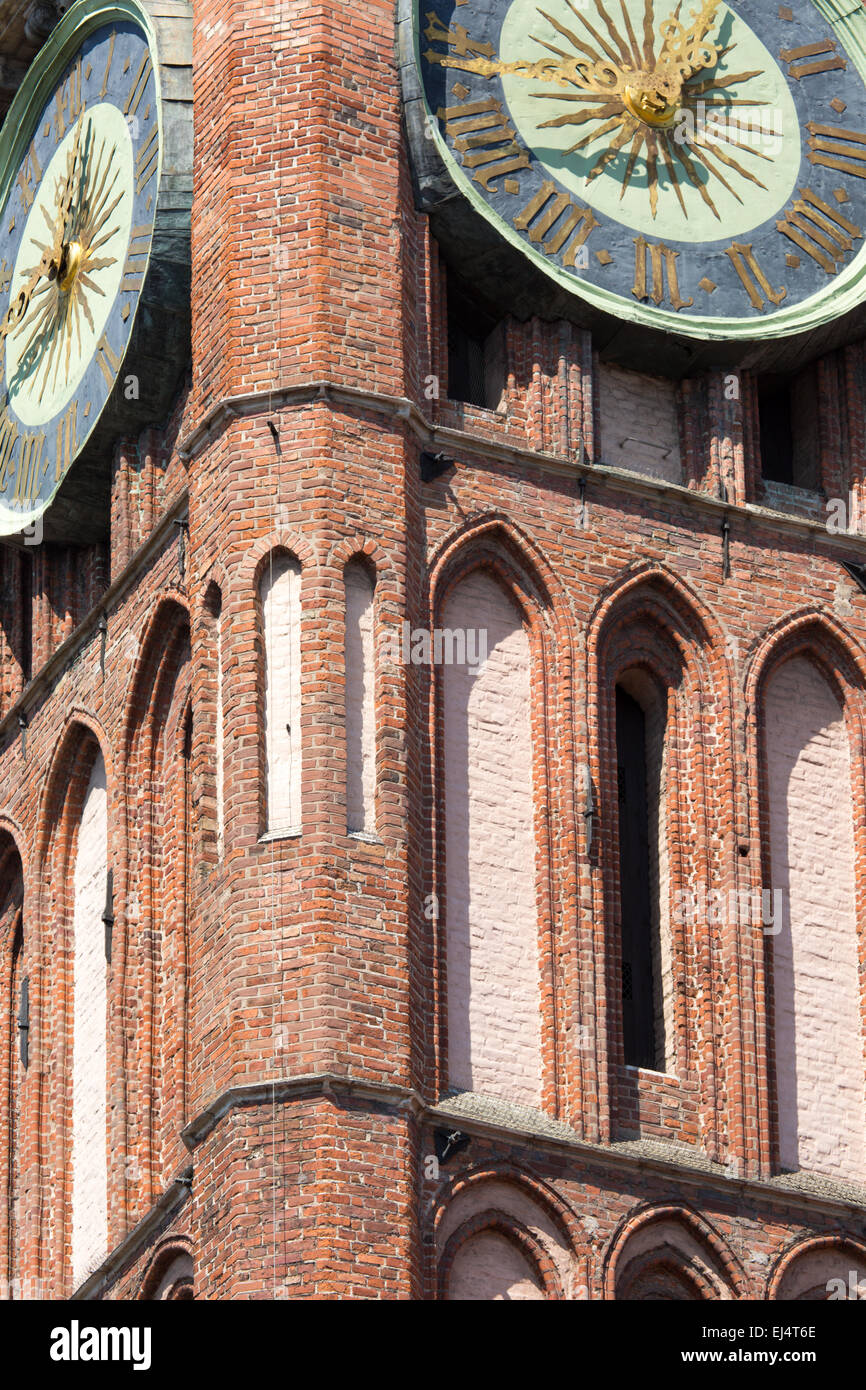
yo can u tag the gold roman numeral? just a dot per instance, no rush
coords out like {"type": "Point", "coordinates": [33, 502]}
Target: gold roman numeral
{"type": "Point", "coordinates": [457, 38]}
{"type": "Point", "coordinates": [824, 53]}
{"type": "Point", "coordinates": [146, 159]}
{"type": "Point", "coordinates": [67, 441]}
{"type": "Point", "coordinates": [104, 88]}
{"type": "Point", "coordinates": [29, 175]}
{"type": "Point", "coordinates": [664, 265]}
{"type": "Point", "coordinates": [136, 260]}
{"type": "Point", "coordinates": [8, 439]}
{"type": "Point", "coordinates": [830, 141]}
{"type": "Point", "coordinates": [108, 360]}
{"type": "Point", "coordinates": [487, 142]}
{"type": "Point", "coordinates": [29, 468]}
{"type": "Point", "coordinates": [142, 78]}
{"type": "Point", "coordinates": [820, 230]}
{"type": "Point", "coordinates": [753, 279]}
{"type": "Point", "coordinates": [68, 102]}
{"type": "Point", "coordinates": [555, 213]}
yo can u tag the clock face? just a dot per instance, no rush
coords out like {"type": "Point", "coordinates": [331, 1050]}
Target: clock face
{"type": "Point", "coordinates": [75, 236]}
{"type": "Point", "coordinates": [697, 167]}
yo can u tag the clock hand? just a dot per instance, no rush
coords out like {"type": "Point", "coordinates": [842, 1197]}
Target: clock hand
{"type": "Point", "coordinates": [684, 48]}
{"type": "Point", "coordinates": [598, 79]}
{"type": "Point", "coordinates": [62, 259]}
{"type": "Point", "coordinates": [652, 96]}
{"type": "Point", "coordinates": [64, 201]}
{"type": "Point", "coordinates": [655, 97]}
{"type": "Point", "coordinates": [19, 307]}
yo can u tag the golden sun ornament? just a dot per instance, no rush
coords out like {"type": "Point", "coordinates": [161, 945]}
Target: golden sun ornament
{"type": "Point", "coordinates": [85, 201]}
{"type": "Point", "coordinates": [629, 92]}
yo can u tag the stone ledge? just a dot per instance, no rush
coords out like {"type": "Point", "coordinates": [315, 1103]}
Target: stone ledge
{"type": "Point", "coordinates": [522, 1124]}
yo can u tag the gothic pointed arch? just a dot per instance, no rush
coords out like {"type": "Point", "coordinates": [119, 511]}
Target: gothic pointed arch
{"type": "Point", "coordinates": [502, 1233]}
{"type": "Point", "coordinates": [806, 693]}
{"type": "Point", "coordinates": [670, 1253]}
{"type": "Point", "coordinates": [153, 949]}
{"type": "Point", "coordinates": [501, 738]}
{"type": "Point", "coordinates": [71, 992]}
{"type": "Point", "coordinates": [14, 1055]}
{"type": "Point", "coordinates": [659, 735]}
{"type": "Point", "coordinates": [495, 540]}
{"type": "Point", "coordinates": [654, 587]}
{"type": "Point", "coordinates": [819, 1269]}
{"type": "Point", "coordinates": [170, 1273]}
{"type": "Point", "coordinates": [822, 638]}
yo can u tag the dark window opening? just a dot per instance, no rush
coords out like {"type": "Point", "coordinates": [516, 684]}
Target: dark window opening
{"type": "Point", "coordinates": [476, 346]}
{"type": "Point", "coordinates": [788, 422]}
{"type": "Point", "coordinates": [638, 971]}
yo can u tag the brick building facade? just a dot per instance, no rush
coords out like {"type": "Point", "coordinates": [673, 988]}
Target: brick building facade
{"type": "Point", "coordinates": [303, 858]}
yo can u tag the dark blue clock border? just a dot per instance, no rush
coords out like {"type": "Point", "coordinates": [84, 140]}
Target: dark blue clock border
{"type": "Point", "coordinates": [130, 43]}
{"type": "Point", "coordinates": [812, 96]}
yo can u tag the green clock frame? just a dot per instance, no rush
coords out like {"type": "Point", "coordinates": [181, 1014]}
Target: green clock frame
{"type": "Point", "coordinates": [761, 319]}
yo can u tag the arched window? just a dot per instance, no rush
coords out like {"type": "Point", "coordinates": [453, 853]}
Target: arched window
{"type": "Point", "coordinates": [647, 986]}
{"type": "Point", "coordinates": [816, 1026]}
{"type": "Point", "coordinates": [19, 1049]}
{"type": "Point", "coordinates": [490, 1267]}
{"type": "Point", "coordinates": [214, 612]}
{"type": "Point", "coordinates": [162, 840]}
{"type": "Point", "coordinates": [170, 1278]}
{"type": "Point", "coordinates": [826, 1269]}
{"type": "Point", "coordinates": [662, 1255]}
{"type": "Point", "coordinates": [360, 699]}
{"type": "Point", "coordinates": [657, 667]}
{"type": "Point", "coordinates": [280, 594]}
{"type": "Point", "coordinates": [182, 974]}
{"type": "Point", "coordinates": [89, 1055]}
{"type": "Point", "coordinates": [16, 1000]}
{"type": "Point", "coordinates": [491, 912]}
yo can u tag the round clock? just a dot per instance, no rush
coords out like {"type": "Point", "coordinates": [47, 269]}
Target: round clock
{"type": "Point", "coordinates": [698, 167]}
{"type": "Point", "coordinates": [80, 163]}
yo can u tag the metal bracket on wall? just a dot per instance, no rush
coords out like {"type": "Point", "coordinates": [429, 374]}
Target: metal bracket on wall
{"type": "Point", "coordinates": [108, 914]}
{"type": "Point", "coordinates": [24, 1021]}
{"type": "Point", "coordinates": [588, 809]}
{"type": "Point", "coordinates": [448, 1143]}
{"type": "Point", "coordinates": [857, 573]}
{"type": "Point", "coordinates": [182, 534]}
{"type": "Point", "coordinates": [434, 466]}
{"type": "Point", "coordinates": [102, 629]}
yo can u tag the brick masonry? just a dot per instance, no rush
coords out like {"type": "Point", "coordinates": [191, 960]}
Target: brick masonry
{"type": "Point", "coordinates": [276, 1024]}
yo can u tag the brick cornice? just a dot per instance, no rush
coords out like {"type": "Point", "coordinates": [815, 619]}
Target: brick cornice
{"type": "Point", "coordinates": [324, 1084]}
{"type": "Point", "coordinates": [436, 437]}
{"type": "Point", "coordinates": [446, 439]}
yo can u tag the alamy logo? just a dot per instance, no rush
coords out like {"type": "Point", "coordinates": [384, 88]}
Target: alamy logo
{"type": "Point", "coordinates": [444, 646]}
{"type": "Point", "coordinates": [852, 1292]}
{"type": "Point", "coordinates": [712, 907]}
{"type": "Point", "coordinates": [749, 125]}
{"type": "Point", "coordinates": [77, 1343]}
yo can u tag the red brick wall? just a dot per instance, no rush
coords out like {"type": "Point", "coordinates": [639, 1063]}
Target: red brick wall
{"type": "Point", "coordinates": [314, 957]}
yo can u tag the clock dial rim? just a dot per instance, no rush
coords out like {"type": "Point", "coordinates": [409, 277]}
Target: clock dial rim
{"type": "Point", "coordinates": [839, 299]}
